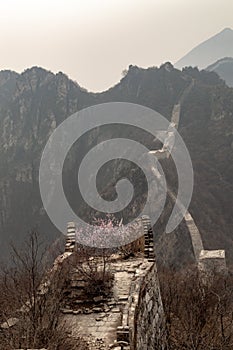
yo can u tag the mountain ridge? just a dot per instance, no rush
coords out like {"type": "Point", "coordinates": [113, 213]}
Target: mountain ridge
{"type": "Point", "coordinates": [224, 68]}
{"type": "Point", "coordinates": [40, 101]}
{"type": "Point", "coordinates": [214, 48]}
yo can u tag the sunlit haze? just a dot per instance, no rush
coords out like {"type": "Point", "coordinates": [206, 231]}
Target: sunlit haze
{"type": "Point", "coordinates": [93, 41]}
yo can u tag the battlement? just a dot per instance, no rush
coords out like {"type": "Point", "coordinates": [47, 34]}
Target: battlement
{"type": "Point", "coordinates": [131, 316]}
{"type": "Point", "coordinates": [212, 261]}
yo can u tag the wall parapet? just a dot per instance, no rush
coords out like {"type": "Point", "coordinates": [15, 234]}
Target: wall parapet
{"type": "Point", "coordinates": [133, 318]}
{"type": "Point", "coordinates": [143, 320]}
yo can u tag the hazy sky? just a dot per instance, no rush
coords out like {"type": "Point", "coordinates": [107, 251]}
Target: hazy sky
{"type": "Point", "coordinates": [94, 40]}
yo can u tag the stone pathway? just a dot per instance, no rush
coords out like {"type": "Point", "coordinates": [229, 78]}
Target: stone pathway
{"type": "Point", "coordinates": [98, 322]}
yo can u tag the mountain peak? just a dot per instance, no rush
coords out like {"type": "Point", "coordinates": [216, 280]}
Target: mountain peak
{"type": "Point", "coordinates": [227, 29]}
{"type": "Point", "coordinates": [225, 33]}
{"type": "Point", "coordinates": [209, 51]}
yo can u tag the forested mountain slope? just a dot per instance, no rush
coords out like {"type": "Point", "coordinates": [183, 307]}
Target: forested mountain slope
{"type": "Point", "coordinates": [34, 103]}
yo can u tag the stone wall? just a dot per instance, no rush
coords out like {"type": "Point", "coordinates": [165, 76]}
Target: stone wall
{"type": "Point", "coordinates": [132, 317]}
{"type": "Point", "coordinates": [146, 315]}
{"type": "Point", "coordinates": [212, 261]}
{"type": "Point", "coordinates": [143, 323]}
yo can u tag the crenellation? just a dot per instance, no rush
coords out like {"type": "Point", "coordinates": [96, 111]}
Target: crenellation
{"type": "Point", "coordinates": [70, 237]}
{"type": "Point", "coordinates": [122, 320]}
{"type": "Point", "coordinates": [211, 261]}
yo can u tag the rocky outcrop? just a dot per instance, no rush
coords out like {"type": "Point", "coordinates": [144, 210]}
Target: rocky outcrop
{"type": "Point", "coordinates": [34, 103]}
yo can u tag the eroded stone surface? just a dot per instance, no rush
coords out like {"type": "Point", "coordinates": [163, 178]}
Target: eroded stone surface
{"type": "Point", "coordinates": [133, 314]}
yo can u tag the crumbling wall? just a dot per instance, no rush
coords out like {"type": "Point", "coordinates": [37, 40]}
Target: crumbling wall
{"type": "Point", "coordinates": [146, 314]}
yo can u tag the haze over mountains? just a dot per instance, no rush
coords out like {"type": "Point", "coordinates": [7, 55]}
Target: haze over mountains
{"type": "Point", "coordinates": [35, 102]}
{"type": "Point", "coordinates": [217, 47]}
{"type": "Point", "coordinates": [224, 68]}
{"type": "Point", "coordinates": [214, 54]}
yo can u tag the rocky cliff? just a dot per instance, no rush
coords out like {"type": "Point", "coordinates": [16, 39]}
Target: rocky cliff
{"type": "Point", "coordinates": [34, 103]}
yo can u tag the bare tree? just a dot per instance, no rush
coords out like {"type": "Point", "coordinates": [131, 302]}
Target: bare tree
{"type": "Point", "coordinates": [199, 316]}
{"type": "Point", "coordinates": [33, 295]}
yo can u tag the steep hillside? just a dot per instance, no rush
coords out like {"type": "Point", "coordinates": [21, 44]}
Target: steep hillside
{"type": "Point", "coordinates": [224, 68]}
{"type": "Point", "coordinates": [34, 103]}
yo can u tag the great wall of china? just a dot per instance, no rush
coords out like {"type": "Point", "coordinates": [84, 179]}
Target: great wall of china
{"type": "Point", "coordinates": [133, 317]}
{"type": "Point", "coordinates": [204, 258]}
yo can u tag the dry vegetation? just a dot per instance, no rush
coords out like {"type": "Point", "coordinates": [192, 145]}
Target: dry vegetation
{"type": "Point", "coordinates": [32, 293]}
{"type": "Point", "coordinates": [27, 296]}
{"type": "Point", "coordinates": [94, 267]}
{"type": "Point", "coordinates": [199, 315]}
